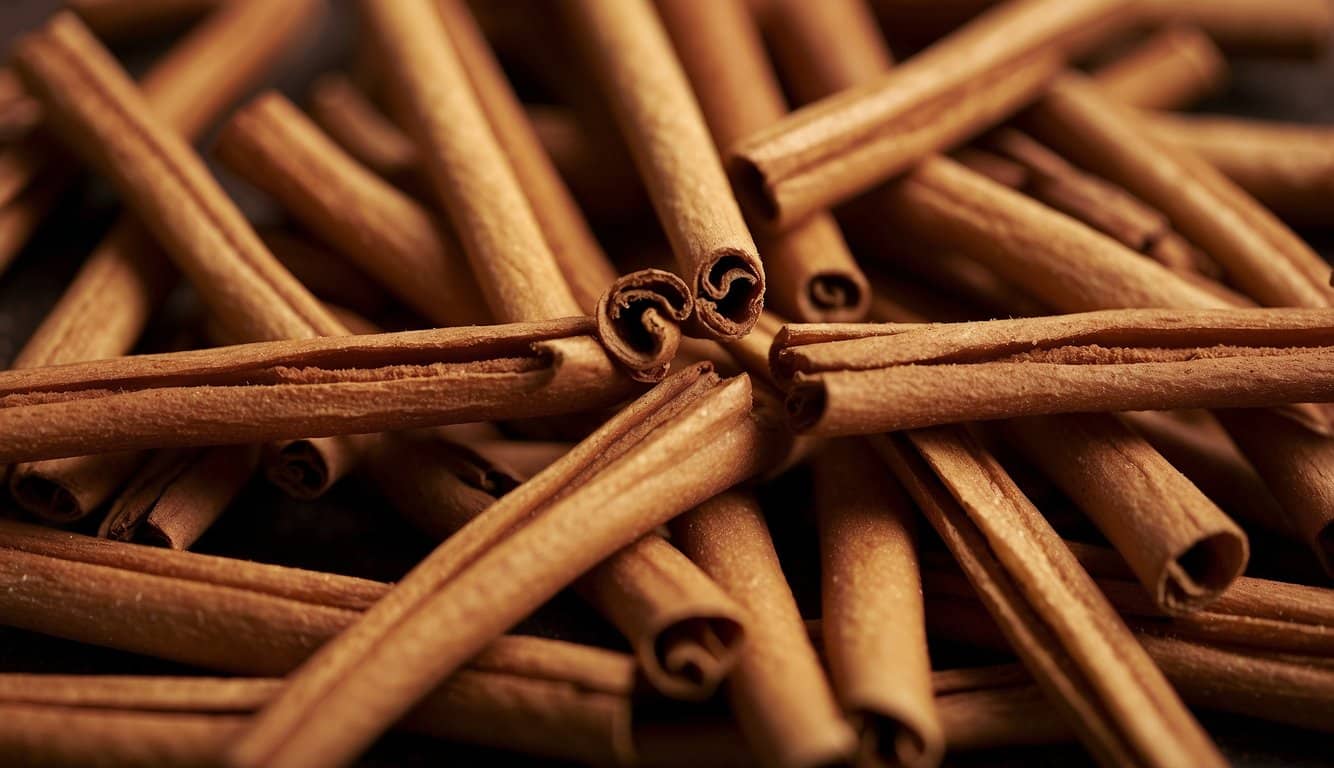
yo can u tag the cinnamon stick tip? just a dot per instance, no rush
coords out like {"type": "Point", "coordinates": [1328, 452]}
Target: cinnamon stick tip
{"type": "Point", "coordinates": [639, 319]}
{"type": "Point", "coordinates": [298, 469]}
{"type": "Point", "coordinates": [728, 293]}
{"type": "Point", "coordinates": [837, 297]}
{"type": "Point", "coordinates": [1206, 568]}
{"type": "Point", "coordinates": [690, 658]}
{"type": "Point", "coordinates": [894, 741]}
{"type": "Point", "coordinates": [806, 403]}
{"type": "Point", "coordinates": [752, 189]}
{"type": "Point", "coordinates": [45, 498]}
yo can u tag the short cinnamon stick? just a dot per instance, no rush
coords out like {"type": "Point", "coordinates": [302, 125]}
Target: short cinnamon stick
{"type": "Point", "coordinates": [1171, 70]}
{"type": "Point", "coordinates": [779, 693]}
{"type": "Point", "coordinates": [1134, 360]}
{"type": "Point", "coordinates": [873, 625]}
{"type": "Point", "coordinates": [277, 390]}
{"type": "Point", "coordinates": [632, 58]}
{"type": "Point", "coordinates": [826, 153]}
{"type": "Point", "coordinates": [810, 274]}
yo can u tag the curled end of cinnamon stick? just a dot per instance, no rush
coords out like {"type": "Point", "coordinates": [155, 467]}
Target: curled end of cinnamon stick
{"type": "Point", "coordinates": [639, 321]}
{"type": "Point", "coordinates": [752, 190]}
{"type": "Point", "coordinates": [728, 294]}
{"type": "Point", "coordinates": [45, 497]}
{"type": "Point", "coordinates": [893, 741]}
{"type": "Point", "coordinates": [299, 470]}
{"type": "Point", "coordinates": [1199, 574]}
{"type": "Point", "coordinates": [838, 297]}
{"type": "Point", "coordinates": [806, 402]}
{"type": "Point", "coordinates": [690, 658]}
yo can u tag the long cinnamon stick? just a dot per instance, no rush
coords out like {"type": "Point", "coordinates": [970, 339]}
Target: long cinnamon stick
{"type": "Point", "coordinates": [1062, 628]}
{"type": "Point", "coordinates": [1286, 27]}
{"type": "Point", "coordinates": [684, 630]}
{"type": "Point", "coordinates": [633, 60]}
{"type": "Point", "coordinates": [779, 693]}
{"type": "Point", "coordinates": [276, 390]}
{"type": "Point", "coordinates": [687, 439]}
{"type": "Point", "coordinates": [827, 152]}
{"type": "Point", "coordinates": [1171, 70]}
{"type": "Point", "coordinates": [105, 308]}
{"type": "Point", "coordinates": [873, 625]}
{"type": "Point", "coordinates": [1097, 361]}
{"type": "Point", "coordinates": [121, 19]}
{"type": "Point", "coordinates": [810, 274]}
{"type": "Point", "coordinates": [271, 144]}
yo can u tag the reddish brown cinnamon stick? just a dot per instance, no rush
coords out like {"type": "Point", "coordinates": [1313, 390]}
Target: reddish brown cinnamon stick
{"type": "Point", "coordinates": [19, 114]}
{"type": "Point", "coordinates": [810, 274]}
{"type": "Point", "coordinates": [873, 627]}
{"type": "Point", "coordinates": [825, 153]}
{"type": "Point", "coordinates": [124, 19]}
{"type": "Point", "coordinates": [632, 58]}
{"type": "Point", "coordinates": [785, 706]}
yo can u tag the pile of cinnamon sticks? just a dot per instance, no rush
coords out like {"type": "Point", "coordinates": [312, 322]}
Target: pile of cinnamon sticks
{"type": "Point", "coordinates": [856, 407]}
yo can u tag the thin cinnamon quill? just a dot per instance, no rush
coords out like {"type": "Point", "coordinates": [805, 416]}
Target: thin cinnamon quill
{"type": "Point", "coordinates": [810, 274]}
{"type": "Point", "coordinates": [104, 310]}
{"type": "Point", "coordinates": [827, 152]}
{"type": "Point", "coordinates": [684, 630]}
{"type": "Point", "coordinates": [635, 66]}
{"type": "Point", "coordinates": [689, 438]}
{"type": "Point", "coordinates": [307, 388]}
{"type": "Point", "coordinates": [874, 631]}
{"type": "Point", "coordinates": [1097, 361]}
{"type": "Point", "coordinates": [779, 693]}
{"type": "Point", "coordinates": [123, 19]}
{"type": "Point", "coordinates": [1067, 635]}
{"type": "Point", "coordinates": [1172, 69]}
{"type": "Point", "coordinates": [524, 693]}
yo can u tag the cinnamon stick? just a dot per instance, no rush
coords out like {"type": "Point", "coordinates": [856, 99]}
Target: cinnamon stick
{"type": "Point", "coordinates": [105, 308]}
{"type": "Point", "coordinates": [639, 321]}
{"type": "Point", "coordinates": [827, 152]}
{"type": "Point", "coordinates": [1097, 361]}
{"type": "Point", "coordinates": [778, 692]}
{"type": "Point", "coordinates": [632, 58]}
{"type": "Point", "coordinates": [687, 439]}
{"type": "Point", "coordinates": [19, 114]}
{"type": "Point", "coordinates": [332, 279]}
{"type": "Point", "coordinates": [684, 630]}
{"type": "Point", "coordinates": [125, 19]}
{"type": "Point", "coordinates": [1287, 27]}
{"type": "Point", "coordinates": [1260, 256]}
{"type": "Point", "coordinates": [349, 117]}
{"type": "Point", "coordinates": [810, 274]}
{"type": "Point", "coordinates": [277, 390]}
{"type": "Point", "coordinates": [1067, 635]}
{"type": "Point", "coordinates": [272, 145]}
{"type": "Point", "coordinates": [179, 494]}
{"type": "Point", "coordinates": [1171, 70]}
{"type": "Point", "coordinates": [873, 625]}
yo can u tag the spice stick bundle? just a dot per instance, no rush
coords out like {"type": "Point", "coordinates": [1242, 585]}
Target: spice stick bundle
{"type": "Point", "coordinates": [1115, 360]}
{"type": "Point", "coordinates": [1040, 250]}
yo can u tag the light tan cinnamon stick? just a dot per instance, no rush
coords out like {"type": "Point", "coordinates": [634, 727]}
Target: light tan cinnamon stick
{"type": "Point", "coordinates": [1172, 69]}
{"type": "Point", "coordinates": [810, 274]}
{"type": "Point", "coordinates": [639, 321]}
{"type": "Point", "coordinates": [826, 153]}
{"type": "Point", "coordinates": [1067, 635]}
{"type": "Point", "coordinates": [634, 64]}
{"type": "Point", "coordinates": [179, 494]}
{"type": "Point", "coordinates": [779, 693]}
{"type": "Point", "coordinates": [349, 117]}
{"type": "Point", "coordinates": [1183, 549]}
{"type": "Point", "coordinates": [873, 626]}
{"type": "Point", "coordinates": [686, 440]}
{"type": "Point", "coordinates": [271, 144]}
{"type": "Point", "coordinates": [1286, 27]}
{"type": "Point", "coordinates": [1260, 256]}
{"type": "Point", "coordinates": [104, 310]}
{"type": "Point", "coordinates": [307, 388]}
{"type": "Point", "coordinates": [1097, 361]}
{"type": "Point", "coordinates": [684, 630]}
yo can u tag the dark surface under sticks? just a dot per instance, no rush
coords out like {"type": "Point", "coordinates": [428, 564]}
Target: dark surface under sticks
{"type": "Point", "coordinates": [353, 531]}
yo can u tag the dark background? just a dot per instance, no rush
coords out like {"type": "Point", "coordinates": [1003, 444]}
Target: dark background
{"type": "Point", "coordinates": [353, 531]}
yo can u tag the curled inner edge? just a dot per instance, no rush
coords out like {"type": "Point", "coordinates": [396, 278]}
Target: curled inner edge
{"type": "Point", "coordinates": [729, 295]}
{"type": "Point", "coordinates": [639, 321]}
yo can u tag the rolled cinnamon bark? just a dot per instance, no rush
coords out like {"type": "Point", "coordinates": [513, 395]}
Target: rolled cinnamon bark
{"type": "Point", "coordinates": [637, 70]}
{"type": "Point", "coordinates": [388, 235]}
{"type": "Point", "coordinates": [1183, 549]}
{"type": "Point", "coordinates": [126, 19]}
{"type": "Point", "coordinates": [1171, 70]}
{"type": "Point", "coordinates": [104, 310]}
{"type": "Point", "coordinates": [686, 440]}
{"type": "Point", "coordinates": [277, 390]}
{"type": "Point", "coordinates": [874, 630]}
{"type": "Point", "coordinates": [639, 321]}
{"type": "Point", "coordinates": [179, 494]}
{"type": "Point", "coordinates": [1064, 631]}
{"type": "Point", "coordinates": [779, 693]}
{"type": "Point", "coordinates": [984, 71]}
{"type": "Point", "coordinates": [350, 118]}
{"type": "Point", "coordinates": [1097, 361]}
{"type": "Point", "coordinates": [1285, 27]}
{"type": "Point", "coordinates": [810, 274]}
